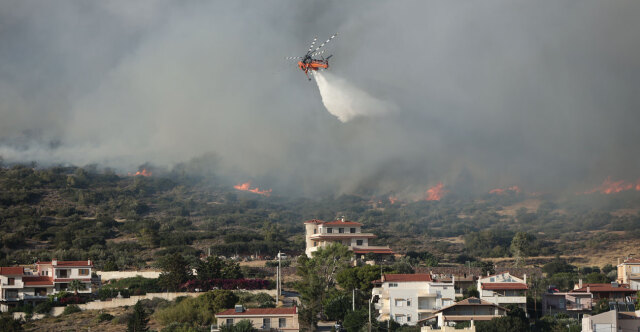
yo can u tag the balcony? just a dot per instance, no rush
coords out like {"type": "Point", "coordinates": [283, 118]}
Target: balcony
{"type": "Point", "coordinates": [505, 299]}
{"type": "Point", "coordinates": [579, 306]}
{"type": "Point", "coordinates": [16, 285]}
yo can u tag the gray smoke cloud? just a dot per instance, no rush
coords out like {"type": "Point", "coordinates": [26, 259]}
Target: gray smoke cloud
{"type": "Point", "coordinates": [540, 94]}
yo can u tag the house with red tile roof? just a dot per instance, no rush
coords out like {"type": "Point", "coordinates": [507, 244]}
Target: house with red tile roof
{"type": "Point", "coordinates": [319, 233]}
{"type": "Point", "coordinates": [468, 310]}
{"type": "Point", "coordinates": [504, 288]}
{"type": "Point", "coordinates": [263, 319]}
{"type": "Point", "coordinates": [34, 285]}
{"type": "Point", "coordinates": [407, 298]}
{"type": "Point", "coordinates": [613, 291]}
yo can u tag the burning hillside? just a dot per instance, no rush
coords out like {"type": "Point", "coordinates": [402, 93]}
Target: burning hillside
{"type": "Point", "coordinates": [436, 192]}
{"type": "Point", "coordinates": [611, 187]}
{"type": "Point", "coordinates": [247, 187]}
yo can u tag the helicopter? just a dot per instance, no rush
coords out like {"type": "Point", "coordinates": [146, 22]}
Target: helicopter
{"type": "Point", "coordinates": [307, 62]}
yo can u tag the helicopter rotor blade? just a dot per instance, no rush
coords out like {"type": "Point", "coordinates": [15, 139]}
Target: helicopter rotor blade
{"type": "Point", "coordinates": [293, 57]}
{"type": "Point", "coordinates": [312, 43]}
{"type": "Point", "coordinates": [327, 41]}
{"type": "Point", "coordinates": [317, 53]}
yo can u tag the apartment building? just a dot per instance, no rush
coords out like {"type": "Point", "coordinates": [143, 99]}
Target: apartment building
{"type": "Point", "coordinates": [408, 298]}
{"type": "Point", "coordinates": [629, 273]}
{"type": "Point", "coordinates": [263, 319]}
{"type": "Point", "coordinates": [504, 288]}
{"type": "Point", "coordinates": [613, 320]}
{"type": "Point", "coordinates": [320, 233]}
{"type": "Point", "coordinates": [33, 285]}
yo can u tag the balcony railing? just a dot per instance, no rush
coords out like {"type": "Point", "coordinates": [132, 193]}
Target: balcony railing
{"type": "Point", "coordinates": [579, 306]}
{"type": "Point", "coordinates": [16, 284]}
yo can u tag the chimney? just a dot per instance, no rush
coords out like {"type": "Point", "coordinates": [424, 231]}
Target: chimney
{"type": "Point", "coordinates": [342, 218]}
{"type": "Point", "coordinates": [618, 260]}
{"type": "Point", "coordinates": [579, 283]}
{"type": "Point", "coordinates": [525, 278]}
{"type": "Point", "coordinates": [54, 262]}
{"type": "Point", "coordinates": [89, 262]}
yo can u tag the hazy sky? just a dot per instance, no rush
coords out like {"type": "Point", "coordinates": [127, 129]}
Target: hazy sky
{"type": "Point", "coordinates": [540, 94]}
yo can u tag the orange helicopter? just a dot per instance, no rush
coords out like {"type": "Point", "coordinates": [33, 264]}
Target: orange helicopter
{"type": "Point", "coordinates": [307, 62]}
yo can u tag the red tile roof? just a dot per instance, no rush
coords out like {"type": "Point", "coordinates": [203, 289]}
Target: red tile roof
{"type": "Point", "coordinates": [345, 223]}
{"type": "Point", "coordinates": [407, 277]}
{"type": "Point", "coordinates": [37, 281]}
{"type": "Point", "coordinates": [598, 288]}
{"type": "Point", "coordinates": [332, 223]}
{"type": "Point", "coordinates": [68, 263]}
{"type": "Point", "coordinates": [16, 270]}
{"type": "Point", "coordinates": [632, 260]}
{"type": "Point", "coordinates": [70, 279]}
{"type": "Point", "coordinates": [503, 285]}
{"type": "Point", "coordinates": [259, 312]}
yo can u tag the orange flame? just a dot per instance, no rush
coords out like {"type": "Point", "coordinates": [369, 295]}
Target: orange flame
{"type": "Point", "coordinates": [144, 172]}
{"type": "Point", "coordinates": [500, 191]}
{"type": "Point", "coordinates": [393, 199]}
{"type": "Point", "coordinates": [611, 187]}
{"type": "Point", "coordinates": [247, 187]}
{"type": "Point", "coordinates": [436, 192]}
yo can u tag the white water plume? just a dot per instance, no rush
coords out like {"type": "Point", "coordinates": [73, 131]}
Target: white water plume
{"type": "Point", "coordinates": [345, 101]}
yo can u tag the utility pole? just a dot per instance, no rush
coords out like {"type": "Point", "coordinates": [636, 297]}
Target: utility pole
{"type": "Point", "coordinates": [278, 281]}
{"type": "Point", "coordinates": [353, 301]}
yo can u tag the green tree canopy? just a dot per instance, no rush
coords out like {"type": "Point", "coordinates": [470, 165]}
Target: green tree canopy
{"type": "Point", "coordinates": [175, 271]}
{"type": "Point", "coordinates": [138, 320]}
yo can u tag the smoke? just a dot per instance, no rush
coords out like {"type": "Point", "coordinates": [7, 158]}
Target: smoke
{"type": "Point", "coordinates": [474, 94]}
{"type": "Point", "coordinates": [345, 101]}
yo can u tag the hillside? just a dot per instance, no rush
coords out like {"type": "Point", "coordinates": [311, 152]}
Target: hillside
{"type": "Point", "coordinates": [124, 222]}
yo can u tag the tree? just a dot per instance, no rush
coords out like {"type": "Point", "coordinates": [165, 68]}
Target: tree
{"type": "Point", "coordinates": [355, 320]}
{"type": "Point", "coordinates": [359, 277]}
{"type": "Point", "coordinates": [9, 324]}
{"type": "Point", "coordinates": [75, 285]}
{"type": "Point", "coordinates": [318, 275]}
{"type": "Point", "coordinates": [138, 320]}
{"type": "Point", "coordinates": [244, 325]}
{"type": "Point", "coordinates": [520, 247]}
{"type": "Point", "coordinates": [175, 271]}
{"type": "Point", "coordinates": [514, 321]}
{"type": "Point", "coordinates": [596, 278]}
{"type": "Point", "coordinates": [557, 265]}
{"type": "Point", "coordinates": [217, 268]}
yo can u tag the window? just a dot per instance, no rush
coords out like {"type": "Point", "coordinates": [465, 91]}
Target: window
{"type": "Point", "coordinates": [11, 281]}
{"type": "Point", "coordinates": [315, 231]}
{"type": "Point", "coordinates": [635, 269]}
{"type": "Point", "coordinates": [399, 303]}
{"type": "Point", "coordinates": [408, 318]}
{"type": "Point", "coordinates": [393, 284]}
{"type": "Point", "coordinates": [359, 242]}
{"type": "Point", "coordinates": [62, 273]}
{"type": "Point", "coordinates": [44, 273]}
{"type": "Point", "coordinates": [408, 303]}
{"type": "Point", "coordinates": [282, 322]}
{"type": "Point", "coordinates": [353, 230]}
{"type": "Point", "coordinates": [315, 243]}
{"type": "Point", "coordinates": [492, 280]}
{"type": "Point", "coordinates": [399, 318]}
{"type": "Point", "coordinates": [329, 230]}
{"type": "Point", "coordinates": [340, 230]}
{"type": "Point", "coordinates": [229, 321]}
{"type": "Point", "coordinates": [266, 323]}
{"type": "Point", "coordinates": [83, 272]}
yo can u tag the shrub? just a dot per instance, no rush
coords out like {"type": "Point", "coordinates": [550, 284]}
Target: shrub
{"type": "Point", "coordinates": [70, 309]}
{"type": "Point", "coordinates": [105, 317]}
{"type": "Point", "coordinates": [43, 308]}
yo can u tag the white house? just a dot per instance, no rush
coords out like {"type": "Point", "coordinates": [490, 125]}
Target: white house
{"type": "Point", "coordinates": [34, 285]}
{"type": "Point", "coordinates": [407, 298]}
{"type": "Point", "coordinates": [320, 233]}
{"type": "Point", "coordinates": [503, 288]}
